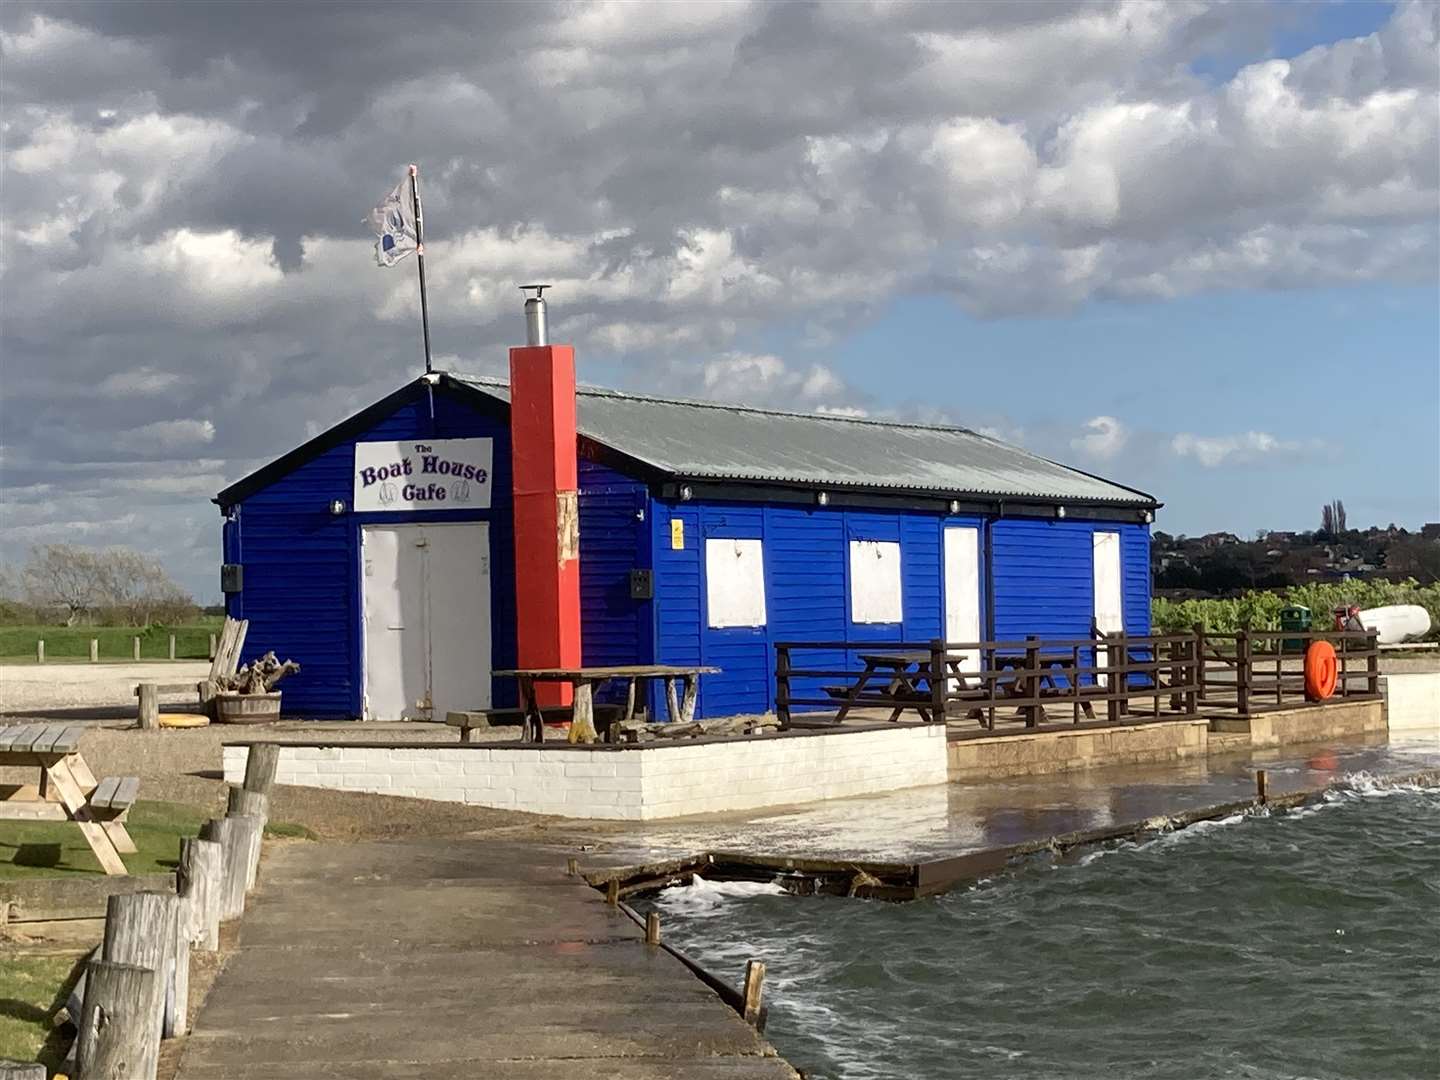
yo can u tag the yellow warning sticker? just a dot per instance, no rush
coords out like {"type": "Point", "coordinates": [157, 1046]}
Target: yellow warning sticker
{"type": "Point", "coordinates": [677, 534]}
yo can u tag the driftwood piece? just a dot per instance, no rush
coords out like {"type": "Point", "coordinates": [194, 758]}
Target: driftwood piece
{"type": "Point", "coordinates": [722, 726]}
{"type": "Point", "coordinates": [69, 1013]}
{"type": "Point", "coordinates": [261, 761]}
{"type": "Point", "coordinates": [143, 929]}
{"type": "Point", "coordinates": [257, 677]}
{"type": "Point", "coordinates": [198, 881]}
{"type": "Point", "coordinates": [119, 1039]}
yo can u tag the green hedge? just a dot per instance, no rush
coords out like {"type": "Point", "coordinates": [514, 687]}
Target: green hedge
{"type": "Point", "coordinates": [1260, 609]}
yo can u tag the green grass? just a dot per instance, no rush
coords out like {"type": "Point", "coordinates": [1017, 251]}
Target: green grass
{"type": "Point", "coordinates": [32, 986]}
{"type": "Point", "coordinates": [70, 643]}
{"type": "Point", "coordinates": [31, 849]}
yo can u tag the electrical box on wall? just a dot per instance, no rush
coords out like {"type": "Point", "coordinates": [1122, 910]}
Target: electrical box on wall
{"type": "Point", "coordinates": [232, 577]}
{"type": "Point", "coordinates": [642, 584]}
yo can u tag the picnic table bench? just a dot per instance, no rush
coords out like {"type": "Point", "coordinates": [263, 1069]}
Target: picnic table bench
{"type": "Point", "coordinates": [67, 790]}
{"type": "Point", "coordinates": [902, 672]}
{"type": "Point", "coordinates": [583, 681]}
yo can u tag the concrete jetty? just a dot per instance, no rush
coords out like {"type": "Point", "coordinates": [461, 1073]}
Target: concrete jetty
{"type": "Point", "coordinates": [455, 958]}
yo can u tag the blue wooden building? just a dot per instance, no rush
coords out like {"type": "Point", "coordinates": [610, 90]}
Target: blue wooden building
{"type": "Point", "coordinates": [380, 554]}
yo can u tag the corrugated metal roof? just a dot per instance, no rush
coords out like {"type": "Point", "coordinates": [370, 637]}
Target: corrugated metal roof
{"type": "Point", "coordinates": [704, 440]}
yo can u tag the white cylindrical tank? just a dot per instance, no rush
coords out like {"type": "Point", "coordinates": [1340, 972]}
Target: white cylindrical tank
{"type": "Point", "coordinates": [1396, 622]}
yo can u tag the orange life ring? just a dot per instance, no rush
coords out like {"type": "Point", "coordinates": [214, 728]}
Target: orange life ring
{"type": "Point", "coordinates": [1321, 673]}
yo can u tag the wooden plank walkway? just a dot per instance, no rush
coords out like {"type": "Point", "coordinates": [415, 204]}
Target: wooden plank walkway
{"type": "Point", "coordinates": [451, 958]}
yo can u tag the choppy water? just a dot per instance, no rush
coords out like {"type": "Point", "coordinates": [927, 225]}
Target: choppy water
{"type": "Point", "coordinates": [1298, 944]}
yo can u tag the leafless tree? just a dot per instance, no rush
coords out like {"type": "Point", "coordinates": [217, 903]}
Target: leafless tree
{"type": "Point", "coordinates": [68, 577]}
{"type": "Point", "coordinates": [120, 582]}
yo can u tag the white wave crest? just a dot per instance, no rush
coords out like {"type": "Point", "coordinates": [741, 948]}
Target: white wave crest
{"type": "Point", "coordinates": [703, 897]}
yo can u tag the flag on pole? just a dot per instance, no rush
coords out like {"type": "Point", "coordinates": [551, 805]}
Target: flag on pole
{"type": "Point", "coordinates": [394, 224]}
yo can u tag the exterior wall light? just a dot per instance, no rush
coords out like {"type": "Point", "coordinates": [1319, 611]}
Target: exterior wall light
{"type": "Point", "coordinates": [954, 506]}
{"type": "Point", "coordinates": [1059, 511]}
{"type": "Point", "coordinates": [686, 493]}
{"type": "Point", "coordinates": [823, 498]}
{"type": "Point", "coordinates": [337, 506]}
{"type": "Point", "coordinates": [1147, 517]}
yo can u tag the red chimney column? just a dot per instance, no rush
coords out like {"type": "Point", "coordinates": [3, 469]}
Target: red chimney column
{"type": "Point", "coordinates": [547, 517]}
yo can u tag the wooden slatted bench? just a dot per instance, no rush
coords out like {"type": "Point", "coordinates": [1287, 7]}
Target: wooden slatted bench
{"type": "Point", "coordinates": [113, 796]}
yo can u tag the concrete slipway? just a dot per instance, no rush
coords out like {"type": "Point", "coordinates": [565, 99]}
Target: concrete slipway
{"type": "Point", "coordinates": [478, 956]}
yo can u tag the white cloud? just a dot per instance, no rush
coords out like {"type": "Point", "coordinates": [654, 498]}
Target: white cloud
{"type": "Point", "coordinates": [1247, 447]}
{"type": "Point", "coordinates": [163, 435]}
{"type": "Point", "coordinates": [1103, 440]}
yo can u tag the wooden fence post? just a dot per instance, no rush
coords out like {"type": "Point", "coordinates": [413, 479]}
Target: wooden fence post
{"type": "Point", "coordinates": [198, 881]}
{"type": "Point", "coordinates": [1032, 679]}
{"type": "Point", "coordinates": [1242, 672]}
{"type": "Point", "coordinates": [1200, 656]}
{"type": "Point", "coordinates": [782, 685]}
{"type": "Point", "coordinates": [94, 650]}
{"type": "Point", "coordinates": [1196, 677]}
{"type": "Point", "coordinates": [172, 646]}
{"type": "Point", "coordinates": [1372, 663]}
{"type": "Point", "coordinates": [234, 837]}
{"type": "Point", "coordinates": [135, 647]}
{"type": "Point", "coordinates": [939, 685]}
{"type": "Point", "coordinates": [261, 761]}
{"type": "Point", "coordinates": [149, 705]}
{"type": "Point", "coordinates": [242, 803]}
{"type": "Point", "coordinates": [118, 1039]}
{"type": "Point", "coordinates": [144, 929]}
{"type": "Point", "coordinates": [652, 928]}
{"type": "Point", "coordinates": [40, 650]}
{"type": "Point", "coordinates": [1105, 654]}
{"type": "Point", "coordinates": [212, 648]}
{"type": "Point", "coordinates": [754, 990]}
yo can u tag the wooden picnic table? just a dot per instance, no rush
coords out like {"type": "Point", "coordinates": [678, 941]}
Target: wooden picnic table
{"type": "Point", "coordinates": [902, 685]}
{"type": "Point", "coordinates": [903, 672]}
{"type": "Point", "coordinates": [583, 681]}
{"type": "Point", "coordinates": [66, 789]}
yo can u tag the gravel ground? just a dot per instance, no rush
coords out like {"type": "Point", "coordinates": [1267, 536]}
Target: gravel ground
{"type": "Point", "coordinates": [27, 687]}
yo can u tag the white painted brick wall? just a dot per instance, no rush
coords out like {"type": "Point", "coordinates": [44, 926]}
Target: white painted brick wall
{"type": "Point", "coordinates": [629, 785]}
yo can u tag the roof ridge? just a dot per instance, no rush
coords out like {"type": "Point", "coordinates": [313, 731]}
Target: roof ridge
{"type": "Point", "coordinates": [730, 406]}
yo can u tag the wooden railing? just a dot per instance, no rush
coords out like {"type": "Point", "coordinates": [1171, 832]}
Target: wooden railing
{"type": "Point", "coordinates": [1107, 678]}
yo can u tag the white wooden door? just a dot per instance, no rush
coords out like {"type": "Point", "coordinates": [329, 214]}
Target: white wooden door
{"type": "Point", "coordinates": [1109, 605]}
{"type": "Point", "coordinates": [962, 591]}
{"type": "Point", "coordinates": [397, 670]}
{"type": "Point", "coordinates": [458, 575]}
{"type": "Point", "coordinates": [426, 625]}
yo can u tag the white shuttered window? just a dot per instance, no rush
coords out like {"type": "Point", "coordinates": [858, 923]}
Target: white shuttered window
{"type": "Point", "coordinates": [734, 582]}
{"type": "Point", "coordinates": [874, 581]}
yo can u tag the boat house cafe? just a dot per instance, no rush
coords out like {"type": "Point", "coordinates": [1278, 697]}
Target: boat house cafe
{"type": "Point", "coordinates": [465, 526]}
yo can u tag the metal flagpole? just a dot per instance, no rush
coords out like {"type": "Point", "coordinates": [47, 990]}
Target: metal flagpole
{"type": "Point", "coordinates": [420, 259]}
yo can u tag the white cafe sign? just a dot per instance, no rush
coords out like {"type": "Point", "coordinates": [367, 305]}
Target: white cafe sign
{"type": "Point", "coordinates": [441, 474]}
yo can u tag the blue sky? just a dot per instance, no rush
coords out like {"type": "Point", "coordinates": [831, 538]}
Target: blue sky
{"type": "Point", "coordinates": [1189, 246]}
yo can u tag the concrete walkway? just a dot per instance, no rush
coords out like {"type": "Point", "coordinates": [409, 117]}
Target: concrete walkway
{"type": "Point", "coordinates": [456, 958]}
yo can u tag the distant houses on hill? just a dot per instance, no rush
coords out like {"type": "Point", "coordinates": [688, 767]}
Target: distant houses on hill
{"type": "Point", "coordinates": [1221, 562]}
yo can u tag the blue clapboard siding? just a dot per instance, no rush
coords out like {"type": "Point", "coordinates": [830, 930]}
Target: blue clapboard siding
{"type": "Point", "coordinates": [804, 553]}
{"type": "Point", "coordinates": [807, 559]}
{"type": "Point", "coordinates": [302, 566]}
{"type": "Point", "coordinates": [742, 652]}
{"type": "Point", "coordinates": [1043, 577]}
{"type": "Point", "coordinates": [614, 539]}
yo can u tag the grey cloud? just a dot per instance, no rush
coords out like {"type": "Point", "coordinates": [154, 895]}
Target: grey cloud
{"type": "Point", "coordinates": [184, 186]}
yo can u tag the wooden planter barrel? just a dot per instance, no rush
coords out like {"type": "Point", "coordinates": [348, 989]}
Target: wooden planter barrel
{"type": "Point", "coordinates": [233, 708]}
